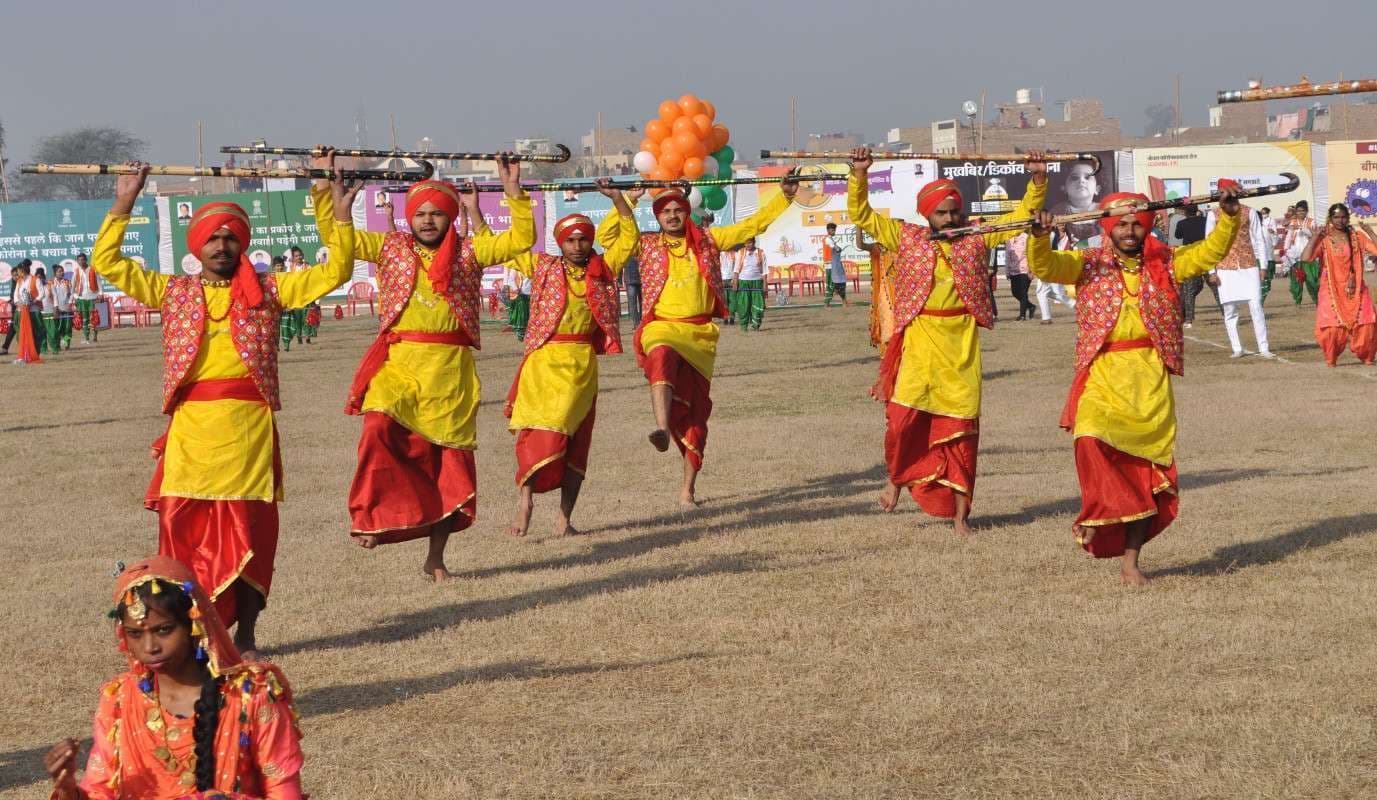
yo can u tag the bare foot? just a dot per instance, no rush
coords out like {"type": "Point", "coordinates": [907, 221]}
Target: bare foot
{"type": "Point", "coordinates": [437, 574]}
{"type": "Point", "coordinates": [366, 542]}
{"type": "Point", "coordinates": [687, 500]}
{"type": "Point", "coordinates": [516, 531]}
{"type": "Point", "coordinates": [1133, 576]}
{"type": "Point", "coordinates": [962, 528]}
{"type": "Point", "coordinates": [889, 498]}
{"type": "Point", "coordinates": [568, 530]}
{"type": "Point", "coordinates": [660, 439]}
{"type": "Point", "coordinates": [1085, 534]}
{"type": "Point", "coordinates": [250, 655]}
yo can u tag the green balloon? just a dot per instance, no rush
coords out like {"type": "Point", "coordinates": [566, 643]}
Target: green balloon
{"type": "Point", "coordinates": [714, 198]}
{"type": "Point", "coordinates": [724, 169]}
{"type": "Point", "coordinates": [726, 155]}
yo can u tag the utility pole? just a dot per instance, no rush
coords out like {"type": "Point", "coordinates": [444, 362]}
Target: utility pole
{"type": "Point", "coordinates": [1176, 126]}
{"type": "Point", "coordinates": [200, 154]}
{"type": "Point", "coordinates": [980, 145]}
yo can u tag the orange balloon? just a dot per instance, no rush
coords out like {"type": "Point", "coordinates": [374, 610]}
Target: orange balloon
{"type": "Point", "coordinates": [690, 105]}
{"type": "Point", "coordinates": [669, 111]}
{"type": "Point", "coordinates": [662, 174]}
{"type": "Point", "coordinates": [656, 130]}
{"type": "Point", "coordinates": [704, 125]}
{"type": "Point", "coordinates": [672, 161]}
{"type": "Point", "coordinates": [686, 142]}
{"type": "Point", "coordinates": [718, 138]}
{"type": "Point", "coordinates": [652, 146]}
{"type": "Point", "coordinates": [667, 147]}
{"type": "Point", "coordinates": [710, 110]}
{"type": "Point", "coordinates": [693, 168]}
{"type": "Point", "coordinates": [700, 149]}
{"type": "Point", "coordinates": [684, 124]}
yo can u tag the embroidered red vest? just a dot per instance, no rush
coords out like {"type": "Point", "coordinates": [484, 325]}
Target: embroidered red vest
{"type": "Point", "coordinates": [1099, 299]}
{"type": "Point", "coordinates": [1241, 255]}
{"type": "Point", "coordinates": [655, 271]}
{"type": "Point", "coordinates": [549, 297]}
{"type": "Point", "coordinates": [398, 265]}
{"type": "Point", "coordinates": [254, 331]}
{"type": "Point", "coordinates": [915, 264]}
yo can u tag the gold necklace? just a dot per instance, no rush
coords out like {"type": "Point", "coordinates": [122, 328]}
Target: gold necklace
{"type": "Point", "coordinates": [184, 768]}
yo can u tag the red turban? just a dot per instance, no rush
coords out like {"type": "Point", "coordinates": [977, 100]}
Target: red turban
{"type": "Point", "coordinates": [574, 223]}
{"type": "Point", "coordinates": [578, 223]}
{"type": "Point", "coordinates": [444, 197]}
{"type": "Point", "coordinates": [670, 196]}
{"type": "Point", "coordinates": [932, 195]}
{"type": "Point", "coordinates": [1124, 199]}
{"type": "Point", "coordinates": [210, 218]}
{"type": "Point", "coordinates": [1230, 183]}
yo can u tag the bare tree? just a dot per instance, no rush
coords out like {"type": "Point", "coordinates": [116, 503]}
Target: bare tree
{"type": "Point", "coordinates": [1161, 118]}
{"type": "Point", "coordinates": [81, 146]}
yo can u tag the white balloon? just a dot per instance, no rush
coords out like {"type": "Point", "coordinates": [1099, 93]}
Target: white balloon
{"type": "Point", "coordinates": [709, 167]}
{"type": "Point", "coordinates": [696, 197]}
{"type": "Point", "coordinates": [644, 161]}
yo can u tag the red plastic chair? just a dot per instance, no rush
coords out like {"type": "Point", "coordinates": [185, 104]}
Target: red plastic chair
{"type": "Point", "coordinates": [810, 278]}
{"type": "Point", "coordinates": [147, 314]}
{"type": "Point", "coordinates": [6, 316]}
{"type": "Point", "coordinates": [361, 292]}
{"type": "Point", "coordinates": [125, 306]}
{"type": "Point", "coordinates": [774, 279]}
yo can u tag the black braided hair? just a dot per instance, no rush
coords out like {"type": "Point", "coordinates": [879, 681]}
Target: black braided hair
{"type": "Point", "coordinates": [204, 729]}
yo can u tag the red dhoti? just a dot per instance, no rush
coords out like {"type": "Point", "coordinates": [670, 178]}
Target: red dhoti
{"type": "Point", "coordinates": [542, 456]}
{"type": "Point", "coordinates": [1362, 340]}
{"type": "Point", "coordinates": [405, 484]}
{"type": "Point", "coordinates": [1116, 489]}
{"type": "Point", "coordinates": [692, 405]}
{"type": "Point", "coordinates": [222, 541]}
{"type": "Point", "coordinates": [934, 456]}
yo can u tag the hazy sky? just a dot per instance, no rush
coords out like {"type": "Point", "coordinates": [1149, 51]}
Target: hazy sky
{"type": "Point", "coordinates": [474, 75]}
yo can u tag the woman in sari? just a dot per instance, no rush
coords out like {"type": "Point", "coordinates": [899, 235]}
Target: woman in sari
{"type": "Point", "coordinates": [188, 716]}
{"type": "Point", "coordinates": [1344, 315]}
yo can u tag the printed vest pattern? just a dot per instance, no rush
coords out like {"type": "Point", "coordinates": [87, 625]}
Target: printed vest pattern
{"type": "Point", "coordinates": [1099, 300]}
{"type": "Point", "coordinates": [1241, 255]}
{"type": "Point", "coordinates": [254, 331]}
{"type": "Point", "coordinates": [549, 297]}
{"type": "Point", "coordinates": [915, 264]}
{"type": "Point", "coordinates": [655, 271]}
{"type": "Point", "coordinates": [398, 265]}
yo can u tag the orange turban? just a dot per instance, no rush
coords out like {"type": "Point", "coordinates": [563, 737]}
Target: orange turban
{"type": "Point", "coordinates": [1124, 199]}
{"type": "Point", "coordinates": [210, 218]}
{"type": "Point", "coordinates": [932, 195]}
{"type": "Point", "coordinates": [444, 197]}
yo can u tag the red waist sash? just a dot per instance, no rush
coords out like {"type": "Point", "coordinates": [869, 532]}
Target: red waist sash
{"type": "Point", "coordinates": [1073, 401]}
{"type": "Point", "coordinates": [215, 389]}
{"type": "Point", "coordinates": [376, 356]}
{"type": "Point", "coordinates": [945, 312]}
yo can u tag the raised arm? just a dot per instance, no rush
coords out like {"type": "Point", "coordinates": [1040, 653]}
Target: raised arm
{"type": "Point", "coordinates": [300, 289]}
{"type": "Point", "coordinates": [107, 258]}
{"type": "Point", "coordinates": [1052, 266]}
{"type": "Point", "coordinates": [729, 236]}
{"type": "Point", "coordinates": [1196, 259]}
{"type": "Point", "coordinates": [884, 230]}
{"type": "Point", "coordinates": [623, 245]}
{"type": "Point", "coordinates": [495, 249]}
{"type": "Point", "coordinates": [1033, 200]}
{"type": "Point", "coordinates": [367, 244]}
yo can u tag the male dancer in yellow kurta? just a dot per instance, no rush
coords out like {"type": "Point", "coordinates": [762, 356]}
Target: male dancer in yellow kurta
{"type": "Point", "coordinates": [676, 343]}
{"type": "Point", "coordinates": [1121, 409]}
{"type": "Point", "coordinates": [416, 387]}
{"type": "Point", "coordinates": [930, 373]}
{"type": "Point", "coordinates": [575, 314]}
{"type": "Point", "coordinates": [219, 473]}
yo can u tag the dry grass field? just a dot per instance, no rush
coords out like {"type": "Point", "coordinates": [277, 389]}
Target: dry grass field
{"type": "Point", "coordinates": [785, 640]}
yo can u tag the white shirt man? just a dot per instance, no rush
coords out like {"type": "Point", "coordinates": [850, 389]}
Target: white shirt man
{"type": "Point", "coordinates": [1240, 280]}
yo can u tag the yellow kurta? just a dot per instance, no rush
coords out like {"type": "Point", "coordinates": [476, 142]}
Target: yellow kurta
{"type": "Point", "coordinates": [220, 449]}
{"type": "Point", "coordinates": [1128, 403]}
{"type": "Point", "coordinates": [940, 369]}
{"type": "Point", "coordinates": [559, 380]}
{"type": "Point", "coordinates": [433, 389]}
{"type": "Point", "coordinates": [687, 294]}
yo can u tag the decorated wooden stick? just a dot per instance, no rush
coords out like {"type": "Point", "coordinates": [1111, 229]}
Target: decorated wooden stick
{"type": "Point", "coordinates": [845, 155]}
{"type": "Point", "coordinates": [1292, 183]}
{"type": "Point", "coordinates": [683, 183]}
{"type": "Point", "coordinates": [1303, 89]}
{"type": "Point", "coordinates": [427, 169]}
{"type": "Point", "coordinates": [547, 158]}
